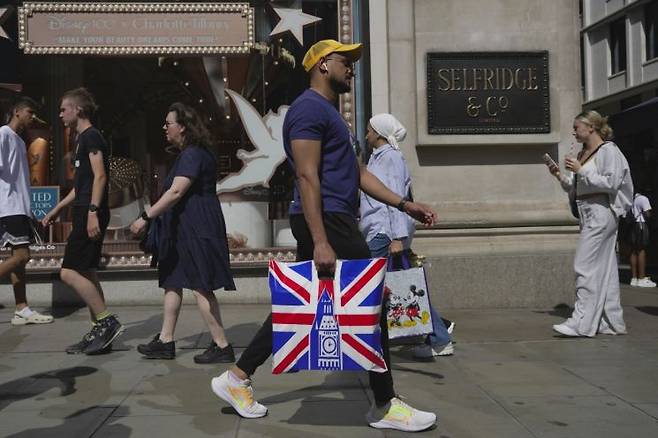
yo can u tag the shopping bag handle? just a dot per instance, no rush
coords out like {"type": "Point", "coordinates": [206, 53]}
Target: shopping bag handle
{"type": "Point", "coordinates": [325, 275]}
{"type": "Point", "coordinates": [398, 261]}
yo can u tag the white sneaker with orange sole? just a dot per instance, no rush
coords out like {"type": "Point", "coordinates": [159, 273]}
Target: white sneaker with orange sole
{"type": "Point", "coordinates": [239, 394]}
{"type": "Point", "coordinates": [398, 415]}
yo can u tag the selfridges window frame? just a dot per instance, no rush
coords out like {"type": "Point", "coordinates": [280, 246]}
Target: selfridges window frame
{"type": "Point", "coordinates": [280, 48]}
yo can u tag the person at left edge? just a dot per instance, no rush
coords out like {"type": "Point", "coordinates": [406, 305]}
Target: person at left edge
{"type": "Point", "coordinates": [192, 247]}
{"type": "Point", "coordinates": [91, 215]}
{"type": "Point", "coordinates": [15, 228]}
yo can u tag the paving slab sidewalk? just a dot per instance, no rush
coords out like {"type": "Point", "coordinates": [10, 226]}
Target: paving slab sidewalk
{"type": "Point", "coordinates": [510, 377]}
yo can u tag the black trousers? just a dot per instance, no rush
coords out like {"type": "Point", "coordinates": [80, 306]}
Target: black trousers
{"type": "Point", "coordinates": [348, 243]}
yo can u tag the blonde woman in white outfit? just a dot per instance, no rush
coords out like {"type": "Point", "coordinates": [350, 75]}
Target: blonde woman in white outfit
{"type": "Point", "coordinates": [600, 181]}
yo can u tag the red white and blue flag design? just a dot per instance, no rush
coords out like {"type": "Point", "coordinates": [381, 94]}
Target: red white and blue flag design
{"type": "Point", "coordinates": [327, 324]}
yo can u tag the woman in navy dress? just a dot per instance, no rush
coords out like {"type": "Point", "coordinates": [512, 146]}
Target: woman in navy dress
{"type": "Point", "coordinates": [192, 247]}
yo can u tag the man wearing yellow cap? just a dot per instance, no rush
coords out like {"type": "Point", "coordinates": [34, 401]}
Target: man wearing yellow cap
{"type": "Point", "coordinates": [323, 218]}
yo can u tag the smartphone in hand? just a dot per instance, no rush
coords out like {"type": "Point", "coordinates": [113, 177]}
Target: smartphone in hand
{"type": "Point", "coordinates": [550, 161]}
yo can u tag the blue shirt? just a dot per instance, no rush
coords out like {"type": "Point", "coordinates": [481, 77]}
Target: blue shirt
{"type": "Point", "coordinates": [388, 165]}
{"type": "Point", "coordinates": [312, 117]}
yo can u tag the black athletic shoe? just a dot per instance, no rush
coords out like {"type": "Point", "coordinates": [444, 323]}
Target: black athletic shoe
{"type": "Point", "coordinates": [156, 349]}
{"type": "Point", "coordinates": [214, 354]}
{"type": "Point", "coordinates": [78, 347]}
{"type": "Point", "coordinates": [102, 335]}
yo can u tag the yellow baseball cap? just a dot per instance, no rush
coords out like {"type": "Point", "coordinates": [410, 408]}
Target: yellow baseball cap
{"type": "Point", "coordinates": [325, 47]}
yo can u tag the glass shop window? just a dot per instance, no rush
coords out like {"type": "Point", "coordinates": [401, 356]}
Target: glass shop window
{"type": "Point", "coordinates": [651, 30]}
{"type": "Point", "coordinates": [242, 99]}
{"type": "Point", "coordinates": [618, 46]}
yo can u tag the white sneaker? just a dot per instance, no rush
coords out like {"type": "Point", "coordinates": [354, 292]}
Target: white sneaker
{"type": "Point", "coordinates": [633, 281]}
{"type": "Point", "coordinates": [398, 415]}
{"type": "Point", "coordinates": [645, 282]}
{"type": "Point", "coordinates": [425, 351]}
{"type": "Point", "coordinates": [239, 395]}
{"type": "Point", "coordinates": [606, 331]}
{"type": "Point", "coordinates": [565, 330]}
{"type": "Point", "coordinates": [34, 318]}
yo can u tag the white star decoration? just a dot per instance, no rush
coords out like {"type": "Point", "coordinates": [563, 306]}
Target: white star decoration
{"type": "Point", "coordinates": [293, 20]}
{"type": "Point", "coordinates": [4, 14]}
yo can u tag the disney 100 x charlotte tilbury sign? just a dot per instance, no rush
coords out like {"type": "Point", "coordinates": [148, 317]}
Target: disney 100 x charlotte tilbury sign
{"type": "Point", "coordinates": [135, 28]}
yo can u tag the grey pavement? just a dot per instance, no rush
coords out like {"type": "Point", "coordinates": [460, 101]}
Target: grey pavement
{"type": "Point", "coordinates": [510, 377]}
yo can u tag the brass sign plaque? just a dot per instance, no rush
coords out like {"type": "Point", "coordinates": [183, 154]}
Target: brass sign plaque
{"type": "Point", "coordinates": [488, 93]}
{"type": "Point", "coordinates": [135, 28]}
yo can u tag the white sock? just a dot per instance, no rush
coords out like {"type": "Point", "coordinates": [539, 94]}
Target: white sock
{"type": "Point", "coordinates": [25, 312]}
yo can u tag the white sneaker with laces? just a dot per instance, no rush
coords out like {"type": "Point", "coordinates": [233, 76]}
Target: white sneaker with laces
{"type": "Point", "coordinates": [565, 330]}
{"type": "Point", "coordinates": [34, 318]}
{"type": "Point", "coordinates": [425, 351]}
{"type": "Point", "coordinates": [645, 282]}
{"type": "Point", "coordinates": [240, 395]}
{"type": "Point", "coordinates": [398, 415]}
{"type": "Point", "coordinates": [634, 281]}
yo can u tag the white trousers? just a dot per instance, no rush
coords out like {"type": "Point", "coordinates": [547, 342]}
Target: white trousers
{"type": "Point", "coordinates": [597, 308]}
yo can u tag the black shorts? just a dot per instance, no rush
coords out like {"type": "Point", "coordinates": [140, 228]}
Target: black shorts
{"type": "Point", "coordinates": [15, 230]}
{"type": "Point", "coordinates": [83, 254]}
{"type": "Point", "coordinates": [639, 236]}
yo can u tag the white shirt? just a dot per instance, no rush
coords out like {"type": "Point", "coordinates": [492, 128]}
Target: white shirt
{"type": "Point", "coordinates": [640, 205]}
{"type": "Point", "coordinates": [14, 174]}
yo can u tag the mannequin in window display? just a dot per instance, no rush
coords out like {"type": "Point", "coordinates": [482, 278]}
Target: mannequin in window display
{"type": "Point", "coordinates": [37, 137]}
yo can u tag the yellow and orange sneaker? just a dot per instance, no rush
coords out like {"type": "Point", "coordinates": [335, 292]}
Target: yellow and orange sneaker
{"type": "Point", "coordinates": [239, 394]}
{"type": "Point", "coordinates": [398, 415]}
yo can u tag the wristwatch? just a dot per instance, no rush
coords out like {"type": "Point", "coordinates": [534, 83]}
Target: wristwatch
{"type": "Point", "coordinates": [401, 204]}
{"type": "Point", "coordinates": [145, 216]}
{"type": "Point", "coordinates": [93, 208]}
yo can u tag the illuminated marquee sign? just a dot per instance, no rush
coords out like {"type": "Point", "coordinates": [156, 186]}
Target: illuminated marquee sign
{"type": "Point", "coordinates": [136, 28]}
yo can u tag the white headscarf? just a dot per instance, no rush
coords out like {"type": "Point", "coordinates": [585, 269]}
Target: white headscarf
{"type": "Point", "coordinates": [388, 127]}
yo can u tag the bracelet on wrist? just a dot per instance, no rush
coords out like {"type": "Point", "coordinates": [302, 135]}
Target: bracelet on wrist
{"type": "Point", "coordinates": [402, 204]}
{"type": "Point", "coordinates": [145, 217]}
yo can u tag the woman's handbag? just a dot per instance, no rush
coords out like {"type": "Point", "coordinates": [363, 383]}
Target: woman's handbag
{"type": "Point", "coordinates": [408, 306]}
{"type": "Point", "coordinates": [572, 201]}
{"type": "Point", "coordinates": [150, 240]}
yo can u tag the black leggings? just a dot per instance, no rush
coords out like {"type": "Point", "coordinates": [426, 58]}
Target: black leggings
{"type": "Point", "coordinates": [348, 243]}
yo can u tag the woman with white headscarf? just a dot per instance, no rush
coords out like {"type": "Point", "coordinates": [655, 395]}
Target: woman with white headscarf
{"type": "Point", "coordinates": [386, 229]}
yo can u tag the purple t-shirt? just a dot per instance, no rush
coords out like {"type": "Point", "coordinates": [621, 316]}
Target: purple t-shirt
{"type": "Point", "coordinates": [312, 117]}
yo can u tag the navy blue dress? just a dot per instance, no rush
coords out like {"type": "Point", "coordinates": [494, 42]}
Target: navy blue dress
{"type": "Point", "coordinates": [192, 244]}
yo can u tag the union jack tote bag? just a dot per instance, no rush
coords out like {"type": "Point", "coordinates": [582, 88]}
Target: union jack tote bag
{"type": "Point", "coordinates": [327, 325]}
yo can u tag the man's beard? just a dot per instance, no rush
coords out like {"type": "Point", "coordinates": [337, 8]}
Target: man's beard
{"type": "Point", "coordinates": [340, 87]}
